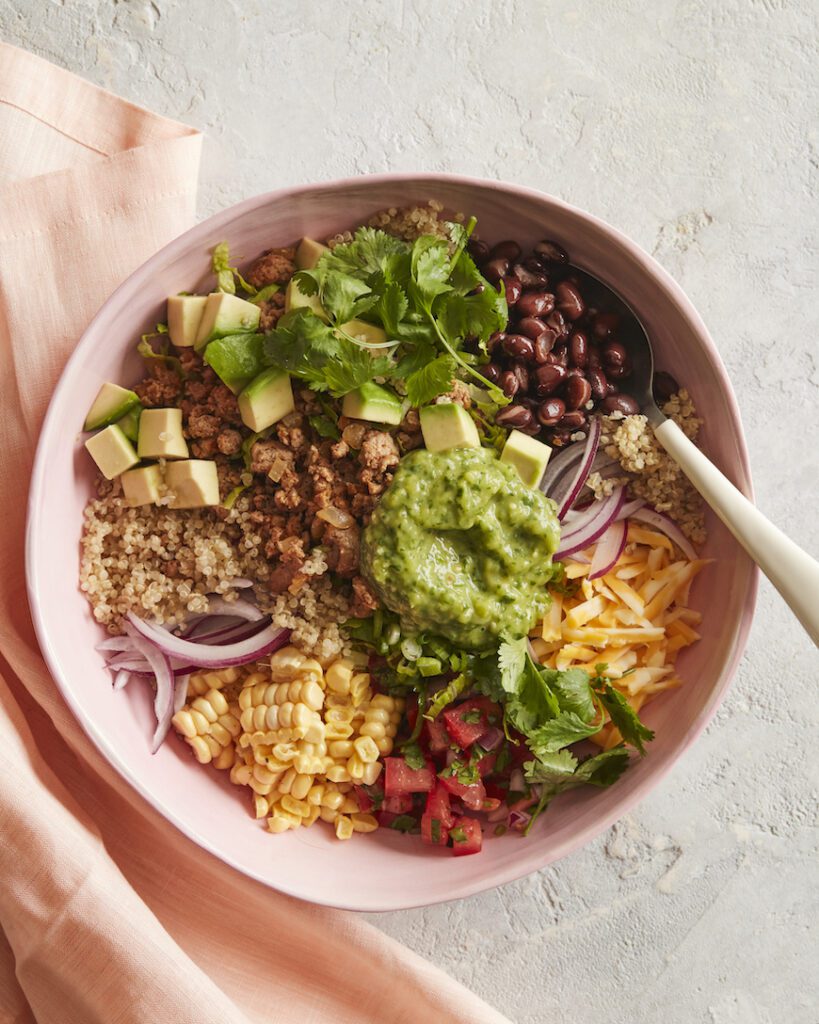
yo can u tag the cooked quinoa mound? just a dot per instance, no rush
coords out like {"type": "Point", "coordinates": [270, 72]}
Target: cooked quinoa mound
{"type": "Point", "coordinates": [407, 222]}
{"type": "Point", "coordinates": [162, 564]}
{"type": "Point", "coordinates": [652, 473]}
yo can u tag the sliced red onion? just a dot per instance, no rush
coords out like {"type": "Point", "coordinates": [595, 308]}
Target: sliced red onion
{"type": "Point", "coordinates": [559, 465]}
{"type": "Point", "coordinates": [239, 608]}
{"type": "Point", "coordinates": [630, 508]}
{"type": "Point", "coordinates": [518, 819]}
{"type": "Point", "coordinates": [575, 486]}
{"type": "Point", "coordinates": [225, 634]}
{"type": "Point", "coordinates": [130, 662]}
{"type": "Point", "coordinates": [115, 643]}
{"type": "Point", "coordinates": [608, 550]}
{"type": "Point", "coordinates": [180, 692]}
{"type": "Point", "coordinates": [517, 784]}
{"type": "Point", "coordinates": [450, 756]}
{"type": "Point", "coordinates": [264, 642]}
{"type": "Point", "coordinates": [121, 679]}
{"type": "Point", "coordinates": [160, 664]}
{"type": "Point", "coordinates": [491, 739]}
{"type": "Point", "coordinates": [596, 520]}
{"type": "Point", "coordinates": [660, 521]}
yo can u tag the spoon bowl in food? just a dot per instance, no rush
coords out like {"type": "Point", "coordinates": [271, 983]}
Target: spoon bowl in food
{"type": "Point", "coordinates": [381, 871]}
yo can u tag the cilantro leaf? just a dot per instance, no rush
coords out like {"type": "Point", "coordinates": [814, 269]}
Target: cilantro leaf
{"type": "Point", "coordinates": [605, 768]}
{"type": "Point", "coordinates": [511, 662]}
{"type": "Point", "coordinates": [324, 426]}
{"type": "Point", "coordinates": [565, 729]}
{"type": "Point", "coordinates": [370, 252]}
{"type": "Point", "coordinates": [414, 360]}
{"type": "Point", "coordinates": [405, 823]}
{"type": "Point", "coordinates": [413, 755]}
{"type": "Point", "coordinates": [624, 717]}
{"type": "Point", "coordinates": [533, 703]}
{"type": "Point", "coordinates": [391, 308]}
{"type": "Point", "coordinates": [560, 771]}
{"type": "Point", "coordinates": [472, 316]}
{"type": "Point", "coordinates": [574, 692]}
{"type": "Point", "coordinates": [552, 769]}
{"type": "Point", "coordinates": [430, 269]}
{"type": "Point", "coordinates": [350, 367]}
{"type": "Point", "coordinates": [431, 380]}
{"type": "Point", "coordinates": [345, 297]}
{"type": "Point", "coordinates": [465, 276]}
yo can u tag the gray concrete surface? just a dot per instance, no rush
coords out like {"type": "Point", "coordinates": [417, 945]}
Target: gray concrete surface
{"type": "Point", "coordinates": [691, 125]}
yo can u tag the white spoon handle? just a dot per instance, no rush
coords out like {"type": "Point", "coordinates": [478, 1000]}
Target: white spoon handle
{"type": "Point", "coordinates": [791, 570]}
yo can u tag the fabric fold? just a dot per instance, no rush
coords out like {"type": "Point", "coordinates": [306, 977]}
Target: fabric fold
{"type": "Point", "coordinates": [107, 913]}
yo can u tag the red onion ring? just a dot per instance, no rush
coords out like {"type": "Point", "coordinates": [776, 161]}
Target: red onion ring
{"type": "Point", "coordinates": [608, 550]}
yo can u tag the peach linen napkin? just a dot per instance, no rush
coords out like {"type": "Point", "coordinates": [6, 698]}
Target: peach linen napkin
{"type": "Point", "coordinates": [107, 913]}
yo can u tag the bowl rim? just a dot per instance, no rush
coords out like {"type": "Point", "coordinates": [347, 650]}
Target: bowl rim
{"type": "Point", "coordinates": [200, 232]}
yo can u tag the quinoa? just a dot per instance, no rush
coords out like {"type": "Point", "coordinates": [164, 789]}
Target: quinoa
{"type": "Point", "coordinates": [407, 222]}
{"type": "Point", "coordinates": [652, 473]}
{"type": "Point", "coordinates": [162, 564]}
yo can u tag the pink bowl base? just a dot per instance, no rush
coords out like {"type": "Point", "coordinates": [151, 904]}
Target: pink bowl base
{"type": "Point", "coordinates": [383, 871]}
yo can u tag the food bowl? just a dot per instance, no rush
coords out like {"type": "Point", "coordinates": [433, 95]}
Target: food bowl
{"type": "Point", "coordinates": [384, 870]}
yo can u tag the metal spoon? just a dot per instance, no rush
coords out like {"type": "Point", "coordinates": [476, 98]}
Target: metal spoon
{"type": "Point", "coordinates": [791, 570]}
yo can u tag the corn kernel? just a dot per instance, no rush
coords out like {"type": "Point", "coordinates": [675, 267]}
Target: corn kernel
{"type": "Point", "coordinates": [355, 767]}
{"type": "Point", "coordinates": [360, 688]}
{"type": "Point", "coordinates": [338, 731]}
{"type": "Point", "coordinates": [344, 827]}
{"type": "Point", "coordinates": [294, 806]}
{"type": "Point", "coordinates": [374, 729]}
{"type": "Point", "coordinates": [254, 679]}
{"type": "Point", "coordinates": [383, 700]}
{"type": "Point", "coordinates": [201, 750]}
{"type": "Point", "coordinates": [263, 788]}
{"type": "Point", "coordinates": [315, 732]}
{"type": "Point", "coordinates": [338, 676]}
{"type": "Point", "coordinates": [225, 758]}
{"type": "Point", "coordinates": [328, 814]}
{"type": "Point", "coordinates": [312, 695]}
{"type": "Point", "coordinates": [261, 805]}
{"type": "Point", "coordinates": [301, 786]}
{"type": "Point", "coordinates": [350, 805]}
{"type": "Point", "coordinates": [366, 749]}
{"type": "Point", "coordinates": [308, 819]}
{"type": "Point", "coordinates": [364, 822]}
{"type": "Point", "coordinates": [371, 773]}
{"type": "Point", "coordinates": [340, 749]}
{"type": "Point", "coordinates": [285, 751]}
{"type": "Point", "coordinates": [241, 774]}
{"type": "Point", "coordinates": [183, 723]}
{"type": "Point", "coordinates": [384, 746]}
{"type": "Point", "coordinates": [315, 796]}
{"type": "Point", "coordinates": [287, 780]}
{"type": "Point", "coordinates": [332, 799]}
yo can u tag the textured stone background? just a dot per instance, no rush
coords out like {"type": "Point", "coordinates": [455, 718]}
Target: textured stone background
{"type": "Point", "coordinates": [691, 125]}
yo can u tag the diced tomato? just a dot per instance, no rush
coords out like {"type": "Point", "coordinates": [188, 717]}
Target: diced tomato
{"type": "Point", "coordinates": [365, 801]}
{"type": "Point", "coordinates": [495, 791]}
{"type": "Point", "coordinates": [437, 738]}
{"type": "Point", "coordinates": [466, 836]}
{"type": "Point", "coordinates": [487, 763]}
{"type": "Point", "coordinates": [459, 724]}
{"type": "Point", "coordinates": [472, 795]}
{"type": "Point", "coordinates": [399, 778]}
{"type": "Point", "coordinates": [411, 710]}
{"type": "Point", "coordinates": [385, 818]}
{"type": "Point", "coordinates": [437, 817]}
{"type": "Point", "coordinates": [398, 804]}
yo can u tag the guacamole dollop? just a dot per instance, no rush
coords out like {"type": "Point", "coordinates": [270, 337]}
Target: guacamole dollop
{"type": "Point", "coordinates": [461, 547]}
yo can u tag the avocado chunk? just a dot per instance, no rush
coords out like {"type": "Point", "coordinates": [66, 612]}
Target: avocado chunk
{"type": "Point", "coordinates": [112, 451]}
{"type": "Point", "coordinates": [192, 483]}
{"type": "Point", "coordinates": [184, 317]}
{"type": "Point", "coordinates": [374, 403]}
{"type": "Point", "coordinates": [160, 435]}
{"type": "Point", "coordinates": [308, 253]}
{"type": "Point", "coordinates": [369, 334]}
{"type": "Point", "coordinates": [225, 314]}
{"type": "Point", "coordinates": [266, 399]}
{"type": "Point", "coordinates": [236, 359]}
{"type": "Point", "coordinates": [129, 423]}
{"type": "Point", "coordinates": [111, 404]}
{"type": "Point", "coordinates": [528, 456]}
{"type": "Point", "coordinates": [448, 426]}
{"type": "Point", "coordinates": [294, 298]}
{"type": "Point", "coordinates": [141, 486]}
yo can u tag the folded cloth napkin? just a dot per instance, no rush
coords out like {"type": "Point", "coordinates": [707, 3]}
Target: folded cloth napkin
{"type": "Point", "coordinates": [107, 913]}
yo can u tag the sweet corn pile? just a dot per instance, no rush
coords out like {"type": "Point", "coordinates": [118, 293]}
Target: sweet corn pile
{"type": "Point", "coordinates": [298, 736]}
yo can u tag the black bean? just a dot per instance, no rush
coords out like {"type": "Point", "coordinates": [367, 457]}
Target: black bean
{"type": "Point", "coordinates": [517, 416]}
{"type": "Point", "coordinates": [620, 372]}
{"type": "Point", "coordinates": [573, 420]}
{"type": "Point", "coordinates": [599, 384]}
{"type": "Point", "coordinates": [495, 340]}
{"type": "Point", "coordinates": [557, 322]}
{"type": "Point", "coordinates": [532, 428]}
{"type": "Point", "coordinates": [552, 251]}
{"type": "Point", "coordinates": [578, 392]}
{"type": "Point", "coordinates": [509, 383]}
{"type": "Point", "coordinates": [551, 412]}
{"type": "Point", "coordinates": [522, 374]}
{"type": "Point", "coordinates": [620, 403]}
{"type": "Point", "coordinates": [535, 304]}
{"type": "Point", "coordinates": [569, 300]}
{"type": "Point", "coordinates": [478, 250]}
{"type": "Point", "coordinates": [594, 357]}
{"type": "Point", "coordinates": [548, 379]}
{"type": "Point", "coordinates": [518, 346]}
{"type": "Point", "coordinates": [664, 386]}
{"type": "Point", "coordinates": [491, 371]}
{"type": "Point", "coordinates": [605, 324]}
{"type": "Point", "coordinates": [613, 353]}
{"type": "Point", "coordinates": [494, 270]}
{"type": "Point", "coordinates": [579, 350]}
{"type": "Point", "coordinates": [507, 250]}
{"type": "Point", "coordinates": [561, 354]}
{"type": "Point", "coordinates": [514, 290]}
{"type": "Point", "coordinates": [544, 343]}
{"type": "Point", "coordinates": [529, 277]}
{"type": "Point", "coordinates": [531, 326]}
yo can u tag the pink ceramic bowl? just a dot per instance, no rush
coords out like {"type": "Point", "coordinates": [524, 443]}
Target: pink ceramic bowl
{"type": "Point", "coordinates": [383, 871]}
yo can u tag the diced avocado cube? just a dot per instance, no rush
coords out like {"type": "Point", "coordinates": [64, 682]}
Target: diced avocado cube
{"type": "Point", "coordinates": [294, 298]}
{"type": "Point", "coordinates": [129, 423]}
{"type": "Point", "coordinates": [225, 314]}
{"type": "Point", "coordinates": [374, 403]}
{"type": "Point", "coordinates": [112, 451]}
{"type": "Point", "coordinates": [193, 483]}
{"type": "Point", "coordinates": [236, 359]}
{"type": "Point", "coordinates": [111, 404]}
{"type": "Point", "coordinates": [160, 435]}
{"type": "Point", "coordinates": [141, 486]}
{"type": "Point", "coordinates": [448, 426]}
{"type": "Point", "coordinates": [369, 334]}
{"type": "Point", "coordinates": [528, 456]}
{"type": "Point", "coordinates": [308, 253]}
{"type": "Point", "coordinates": [184, 317]}
{"type": "Point", "coordinates": [266, 399]}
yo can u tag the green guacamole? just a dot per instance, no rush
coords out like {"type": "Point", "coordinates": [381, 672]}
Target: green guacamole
{"type": "Point", "coordinates": [461, 547]}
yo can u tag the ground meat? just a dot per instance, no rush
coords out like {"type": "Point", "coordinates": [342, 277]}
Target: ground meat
{"type": "Point", "coordinates": [364, 601]}
{"type": "Point", "coordinates": [276, 266]}
{"type": "Point", "coordinates": [270, 314]}
{"type": "Point", "coordinates": [459, 395]}
{"type": "Point", "coordinates": [202, 424]}
{"type": "Point", "coordinates": [343, 547]}
{"type": "Point", "coordinates": [379, 452]}
{"type": "Point", "coordinates": [160, 388]}
{"type": "Point", "coordinates": [290, 431]}
{"type": "Point", "coordinates": [229, 441]}
{"type": "Point", "coordinates": [203, 448]}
